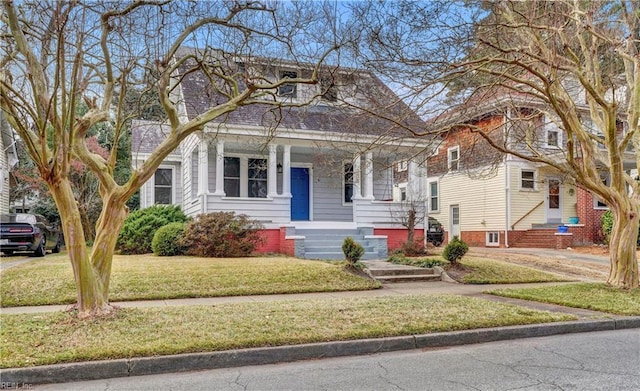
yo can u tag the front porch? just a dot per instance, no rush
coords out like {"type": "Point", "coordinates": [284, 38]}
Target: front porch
{"type": "Point", "coordinates": [309, 198]}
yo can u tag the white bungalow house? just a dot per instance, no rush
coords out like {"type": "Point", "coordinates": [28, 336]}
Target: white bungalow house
{"type": "Point", "coordinates": [312, 174]}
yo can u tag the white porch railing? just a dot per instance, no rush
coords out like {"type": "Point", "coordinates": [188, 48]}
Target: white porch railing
{"type": "Point", "coordinates": [266, 210]}
{"type": "Point", "coordinates": [386, 213]}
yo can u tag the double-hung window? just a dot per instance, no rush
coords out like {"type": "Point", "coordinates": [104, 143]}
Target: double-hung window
{"type": "Point", "coordinates": [163, 186]}
{"type": "Point", "coordinates": [232, 176]}
{"type": "Point", "coordinates": [434, 204]}
{"type": "Point", "coordinates": [245, 177]}
{"type": "Point", "coordinates": [348, 182]}
{"type": "Point", "coordinates": [527, 180]}
{"type": "Point", "coordinates": [257, 174]}
{"type": "Point", "coordinates": [453, 155]}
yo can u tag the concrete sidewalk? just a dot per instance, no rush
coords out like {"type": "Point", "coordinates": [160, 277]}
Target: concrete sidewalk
{"type": "Point", "coordinates": [92, 370]}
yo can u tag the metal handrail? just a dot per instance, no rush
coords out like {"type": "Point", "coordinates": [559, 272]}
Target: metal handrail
{"type": "Point", "coordinates": [513, 226]}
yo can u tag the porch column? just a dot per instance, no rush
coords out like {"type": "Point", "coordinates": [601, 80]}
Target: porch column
{"type": "Point", "coordinates": [368, 176]}
{"type": "Point", "coordinates": [357, 172]}
{"type": "Point", "coordinates": [219, 168]}
{"type": "Point", "coordinates": [286, 171]}
{"type": "Point", "coordinates": [272, 173]}
{"type": "Point", "coordinates": [203, 167]}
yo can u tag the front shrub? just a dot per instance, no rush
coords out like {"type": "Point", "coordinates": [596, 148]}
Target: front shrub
{"type": "Point", "coordinates": [607, 227]}
{"type": "Point", "coordinates": [455, 250]}
{"type": "Point", "coordinates": [400, 259]}
{"type": "Point", "coordinates": [167, 241]}
{"type": "Point", "coordinates": [352, 250]}
{"type": "Point", "coordinates": [607, 224]}
{"type": "Point", "coordinates": [140, 226]}
{"type": "Point", "coordinates": [222, 234]}
{"type": "Point", "coordinates": [414, 249]}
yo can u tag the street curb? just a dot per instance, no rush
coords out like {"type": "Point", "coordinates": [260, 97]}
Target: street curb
{"type": "Point", "coordinates": [94, 370]}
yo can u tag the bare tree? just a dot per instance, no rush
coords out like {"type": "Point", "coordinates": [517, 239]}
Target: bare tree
{"type": "Point", "coordinates": [577, 63]}
{"type": "Point", "coordinates": [55, 55]}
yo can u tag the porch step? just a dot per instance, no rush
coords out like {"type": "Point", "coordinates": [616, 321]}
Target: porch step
{"type": "Point", "coordinates": [389, 273]}
{"type": "Point", "coordinates": [537, 238]}
{"type": "Point", "coordinates": [327, 243]}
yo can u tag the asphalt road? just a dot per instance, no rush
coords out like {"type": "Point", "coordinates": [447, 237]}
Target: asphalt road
{"type": "Point", "coordinates": [605, 360]}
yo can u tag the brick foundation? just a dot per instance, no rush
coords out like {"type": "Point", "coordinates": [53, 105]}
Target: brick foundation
{"type": "Point", "coordinates": [271, 243]}
{"type": "Point", "coordinates": [396, 237]}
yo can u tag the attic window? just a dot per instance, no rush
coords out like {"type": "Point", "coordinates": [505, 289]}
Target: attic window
{"type": "Point", "coordinates": [454, 158]}
{"type": "Point", "coordinates": [328, 90]}
{"type": "Point", "coordinates": [288, 90]}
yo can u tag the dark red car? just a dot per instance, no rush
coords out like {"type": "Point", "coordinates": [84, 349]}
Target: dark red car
{"type": "Point", "coordinates": [28, 232]}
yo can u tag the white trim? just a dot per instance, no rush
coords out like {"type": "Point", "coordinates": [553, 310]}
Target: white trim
{"type": "Point", "coordinates": [535, 179]}
{"type": "Point", "coordinates": [450, 161]}
{"type": "Point", "coordinates": [353, 187]}
{"type": "Point", "coordinates": [244, 173]}
{"type": "Point", "coordinates": [173, 183]}
{"type": "Point", "coordinates": [437, 182]}
{"type": "Point", "coordinates": [488, 241]}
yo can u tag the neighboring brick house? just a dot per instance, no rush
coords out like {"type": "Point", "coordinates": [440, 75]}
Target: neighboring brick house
{"type": "Point", "coordinates": [491, 199]}
{"type": "Point", "coordinates": [310, 174]}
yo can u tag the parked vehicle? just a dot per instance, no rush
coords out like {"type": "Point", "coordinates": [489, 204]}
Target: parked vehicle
{"type": "Point", "coordinates": [435, 235]}
{"type": "Point", "coordinates": [28, 232]}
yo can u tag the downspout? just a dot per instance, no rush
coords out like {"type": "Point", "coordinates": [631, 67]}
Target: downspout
{"type": "Point", "coordinates": [507, 185]}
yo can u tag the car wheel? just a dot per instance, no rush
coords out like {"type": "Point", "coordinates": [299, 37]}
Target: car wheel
{"type": "Point", "coordinates": [7, 252]}
{"type": "Point", "coordinates": [56, 249]}
{"type": "Point", "coordinates": [40, 251]}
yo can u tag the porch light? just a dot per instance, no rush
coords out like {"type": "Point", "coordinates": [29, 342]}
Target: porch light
{"type": "Point", "coordinates": [279, 166]}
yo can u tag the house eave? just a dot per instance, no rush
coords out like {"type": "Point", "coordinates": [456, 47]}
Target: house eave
{"type": "Point", "coordinates": [288, 134]}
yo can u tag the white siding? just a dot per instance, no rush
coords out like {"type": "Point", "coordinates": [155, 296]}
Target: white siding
{"type": "Point", "coordinates": [481, 200]}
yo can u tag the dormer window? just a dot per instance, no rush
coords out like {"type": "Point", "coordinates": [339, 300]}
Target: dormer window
{"type": "Point", "coordinates": [288, 90]}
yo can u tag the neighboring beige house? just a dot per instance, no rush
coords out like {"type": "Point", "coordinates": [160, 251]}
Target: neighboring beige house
{"type": "Point", "coordinates": [8, 158]}
{"type": "Point", "coordinates": [311, 174]}
{"type": "Point", "coordinates": [489, 199]}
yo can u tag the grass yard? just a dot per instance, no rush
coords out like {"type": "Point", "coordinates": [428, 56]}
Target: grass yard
{"type": "Point", "coordinates": [489, 271]}
{"type": "Point", "coordinates": [591, 296]}
{"type": "Point", "coordinates": [49, 280]}
{"type": "Point", "coordinates": [485, 271]}
{"type": "Point", "coordinates": [39, 339]}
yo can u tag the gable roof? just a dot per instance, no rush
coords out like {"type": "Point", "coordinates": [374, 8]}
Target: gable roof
{"type": "Point", "coordinates": [384, 112]}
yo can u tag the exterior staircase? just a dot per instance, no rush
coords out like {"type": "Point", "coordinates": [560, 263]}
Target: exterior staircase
{"type": "Point", "coordinates": [386, 272]}
{"type": "Point", "coordinates": [327, 244]}
{"type": "Point", "coordinates": [542, 236]}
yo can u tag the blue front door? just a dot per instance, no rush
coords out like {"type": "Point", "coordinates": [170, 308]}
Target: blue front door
{"type": "Point", "coordinates": [299, 193]}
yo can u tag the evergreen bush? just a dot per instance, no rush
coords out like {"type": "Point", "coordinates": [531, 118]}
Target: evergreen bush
{"type": "Point", "coordinates": [455, 250]}
{"type": "Point", "coordinates": [352, 250]}
{"type": "Point", "coordinates": [167, 241]}
{"type": "Point", "coordinates": [140, 226]}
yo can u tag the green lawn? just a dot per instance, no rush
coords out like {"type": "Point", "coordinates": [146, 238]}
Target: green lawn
{"type": "Point", "coordinates": [48, 338]}
{"type": "Point", "coordinates": [591, 296]}
{"type": "Point", "coordinates": [49, 280]}
{"type": "Point", "coordinates": [485, 271]}
{"type": "Point", "coordinates": [489, 271]}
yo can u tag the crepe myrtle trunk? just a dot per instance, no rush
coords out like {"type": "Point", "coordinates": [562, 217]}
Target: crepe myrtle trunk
{"type": "Point", "coordinates": [91, 297]}
{"type": "Point", "coordinates": [622, 247]}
